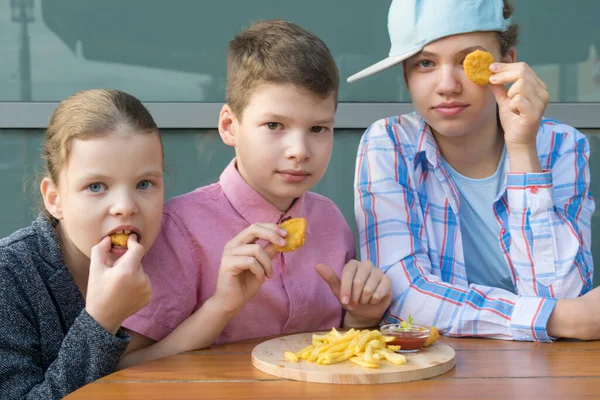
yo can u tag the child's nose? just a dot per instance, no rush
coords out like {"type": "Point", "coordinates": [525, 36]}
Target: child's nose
{"type": "Point", "coordinates": [124, 204]}
{"type": "Point", "coordinates": [449, 80]}
{"type": "Point", "coordinates": [298, 147]}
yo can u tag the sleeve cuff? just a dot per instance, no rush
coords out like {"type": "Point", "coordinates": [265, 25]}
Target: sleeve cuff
{"type": "Point", "coordinates": [121, 339]}
{"type": "Point", "coordinates": [530, 319]}
{"type": "Point", "coordinates": [146, 327]}
{"type": "Point", "coordinates": [531, 190]}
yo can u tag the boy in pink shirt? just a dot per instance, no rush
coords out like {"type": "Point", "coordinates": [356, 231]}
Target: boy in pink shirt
{"type": "Point", "coordinates": [215, 275]}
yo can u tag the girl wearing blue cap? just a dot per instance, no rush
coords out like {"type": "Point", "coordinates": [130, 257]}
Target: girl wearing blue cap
{"type": "Point", "coordinates": [476, 206]}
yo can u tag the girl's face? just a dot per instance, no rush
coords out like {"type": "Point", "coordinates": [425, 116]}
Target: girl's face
{"type": "Point", "coordinates": [441, 92]}
{"type": "Point", "coordinates": [109, 183]}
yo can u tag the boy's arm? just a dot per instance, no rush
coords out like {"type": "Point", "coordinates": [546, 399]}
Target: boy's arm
{"type": "Point", "coordinates": [550, 219]}
{"type": "Point", "coordinates": [393, 237]}
{"type": "Point", "coordinates": [244, 267]}
{"type": "Point", "coordinates": [200, 330]}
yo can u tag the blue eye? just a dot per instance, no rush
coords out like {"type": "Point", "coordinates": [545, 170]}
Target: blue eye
{"type": "Point", "coordinates": [144, 185]}
{"type": "Point", "coordinates": [96, 187]}
{"type": "Point", "coordinates": [425, 63]}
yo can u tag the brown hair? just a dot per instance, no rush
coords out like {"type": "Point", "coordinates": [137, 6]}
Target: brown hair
{"type": "Point", "coordinates": [277, 51]}
{"type": "Point", "coordinates": [90, 113]}
{"type": "Point", "coordinates": [509, 38]}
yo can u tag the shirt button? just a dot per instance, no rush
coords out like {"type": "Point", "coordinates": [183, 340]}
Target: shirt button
{"type": "Point", "coordinates": [534, 189]}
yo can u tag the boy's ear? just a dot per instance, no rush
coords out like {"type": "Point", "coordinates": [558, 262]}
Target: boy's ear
{"type": "Point", "coordinates": [228, 126]}
{"type": "Point", "coordinates": [510, 56]}
{"type": "Point", "coordinates": [51, 196]}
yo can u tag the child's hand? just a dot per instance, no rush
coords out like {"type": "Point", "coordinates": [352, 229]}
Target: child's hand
{"type": "Point", "coordinates": [245, 265]}
{"type": "Point", "coordinates": [364, 291]}
{"type": "Point", "coordinates": [114, 293]}
{"type": "Point", "coordinates": [522, 106]}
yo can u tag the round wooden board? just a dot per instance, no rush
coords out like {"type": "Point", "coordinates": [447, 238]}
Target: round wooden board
{"type": "Point", "coordinates": [426, 363]}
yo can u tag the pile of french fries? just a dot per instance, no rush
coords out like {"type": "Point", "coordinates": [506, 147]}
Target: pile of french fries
{"type": "Point", "coordinates": [363, 347]}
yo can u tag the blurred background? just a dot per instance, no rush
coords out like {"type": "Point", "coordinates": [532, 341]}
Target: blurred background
{"type": "Point", "coordinates": [171, 55]}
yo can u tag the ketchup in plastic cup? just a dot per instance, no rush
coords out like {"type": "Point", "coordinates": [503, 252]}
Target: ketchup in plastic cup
{"type": "Point", "coordinates": [410, 338]}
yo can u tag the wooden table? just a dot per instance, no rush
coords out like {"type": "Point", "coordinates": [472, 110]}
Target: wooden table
{"type": "Point", "coordinates": [485, 369]}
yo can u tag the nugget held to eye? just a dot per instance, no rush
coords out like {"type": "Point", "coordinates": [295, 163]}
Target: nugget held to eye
{"type": "Point", "coordinates": [296, 229]}
{"type": "Point", "coordinates": [477, 67]}
{"type": "Point", "coordinates": [119, 239]}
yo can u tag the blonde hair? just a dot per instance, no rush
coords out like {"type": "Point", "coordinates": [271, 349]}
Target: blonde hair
{"type": "Point", "coordinates": [277, 51]}
{"type": "Point", "coordinates": [91, 113]}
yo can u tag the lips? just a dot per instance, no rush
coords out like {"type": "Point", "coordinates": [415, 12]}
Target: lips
{"type": "Point", "coordinates": [293, 176]}
{"type": "Point", "coordinates": [450, 108]}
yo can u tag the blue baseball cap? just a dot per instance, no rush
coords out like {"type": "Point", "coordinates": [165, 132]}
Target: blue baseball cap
{"type": "Point", "coordinates": [413, 24]}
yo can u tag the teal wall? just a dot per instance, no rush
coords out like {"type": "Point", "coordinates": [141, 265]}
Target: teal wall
{"type": "Point", "coordinates": [161, 50]}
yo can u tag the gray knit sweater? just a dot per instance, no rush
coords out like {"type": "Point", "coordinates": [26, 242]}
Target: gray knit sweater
{"type": "Point", "coordinates": [49, 344]}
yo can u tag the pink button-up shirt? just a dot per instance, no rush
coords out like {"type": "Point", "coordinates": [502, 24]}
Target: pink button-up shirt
{"type": "Point", "coordinates": [183, 264]}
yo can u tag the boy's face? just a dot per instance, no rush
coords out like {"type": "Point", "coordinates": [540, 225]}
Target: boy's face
{"type": "Point", "coordinates": [441, 92]}
{"type": "Point", "coordinates": [283, 141]}
{"type": "Point", "coordinates": [112, 182]}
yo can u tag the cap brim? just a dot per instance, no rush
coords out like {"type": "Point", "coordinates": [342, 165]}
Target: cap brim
{"type": "Point", "coordinates": [382, 65]}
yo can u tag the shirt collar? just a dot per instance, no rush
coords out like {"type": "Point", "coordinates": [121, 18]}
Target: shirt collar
{"type": "Point", "coordinates": [426, 145]}
{"type": "Point", "coordinates": [251, 205]}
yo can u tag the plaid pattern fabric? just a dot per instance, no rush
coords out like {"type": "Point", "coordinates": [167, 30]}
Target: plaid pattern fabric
{"type": "Point", "coordinates": [406, 208]}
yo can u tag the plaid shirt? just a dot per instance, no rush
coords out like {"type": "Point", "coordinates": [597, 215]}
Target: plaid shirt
{"type": "Point", "coordinates": [407, 212]}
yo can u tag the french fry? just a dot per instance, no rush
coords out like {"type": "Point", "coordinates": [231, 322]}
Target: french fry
{"type": "Point", "coordinates": [362, 363]}
{"type": "Point", "coordinates": [362, 347]}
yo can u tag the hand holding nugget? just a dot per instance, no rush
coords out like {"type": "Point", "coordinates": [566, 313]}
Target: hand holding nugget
{"type": "Point", "coordinates": [522, 106]}
{"type": "Point", "coordinates": [296, 229]}
{"type": "Point", "coordinates": [114, 293]}
{"type": "Point", "coordinates": [364, 291]}
{"type": "Point", "coordinates": [245, 265]}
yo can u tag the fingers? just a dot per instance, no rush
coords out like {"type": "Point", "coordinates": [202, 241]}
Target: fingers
{"type": "Point", "coordinates": [371, 286]}
{"type": "Point", "coordinates": [269, 232]}
{"type": "Point", "coordinates": [383, 292]}
{"type": "Point", "coordinates": [520, 105]}
{"type": "Point", "coordinates": [505, 73]}
{"type": "Point", "coordinates": [528, 94]}
{"type": "Point", "coordinates": [347, 281]}
{"type": "Point", "coordinates": [250, 257]}
{"type": "Point", "coordinates": [270, 250]}
{"type": "Point", "coordinates": [330, 278]}
{"type": "Point", "coordinates": [363, 272]}
{"type": "Point", "coordinates": [100, 251]}
{"type": "Point", "coordinates": [240, 264]}
{"type": "Point", "coordinates": [133, 255]}
{"type": "Point", "coordinates": [537, 95]}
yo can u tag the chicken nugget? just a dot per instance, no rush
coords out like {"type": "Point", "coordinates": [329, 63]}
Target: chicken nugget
{"type": "Point", "coordinates": [119, 239]}
{"type": "Point", "coordinates": [434, 334]}
{"type": "Point", "coordinates": [296, 229]}
{"type": "Point", "coordinates": [477, 67]}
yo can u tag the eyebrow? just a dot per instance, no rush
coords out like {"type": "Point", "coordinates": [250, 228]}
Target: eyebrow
{"type": "Point", "coordinates": [467, 50]}
{"type": "Point", "coordinates": [101, 177]}
{"type": "Point", "coordinates": [283, 118]}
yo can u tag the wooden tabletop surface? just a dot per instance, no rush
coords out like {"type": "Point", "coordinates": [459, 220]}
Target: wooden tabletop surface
{"type": "Point", "coordinates": [485, 369]}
